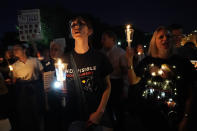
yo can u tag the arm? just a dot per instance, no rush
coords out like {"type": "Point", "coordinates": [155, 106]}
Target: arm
{"type": "Point", "coordinates": [133, 79]}
{"type": "Point", "coordinates": [96, 116]}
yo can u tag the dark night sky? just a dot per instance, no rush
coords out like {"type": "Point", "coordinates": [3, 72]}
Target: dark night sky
{"type": "Point", "coordinates": [145, 15]}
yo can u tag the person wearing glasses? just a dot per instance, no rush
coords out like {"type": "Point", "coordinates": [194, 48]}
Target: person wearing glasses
{"type": "Point", "coordinates": [93, 69]}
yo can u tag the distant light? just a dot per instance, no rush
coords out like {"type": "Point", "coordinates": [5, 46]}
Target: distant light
{"type": "Point", "coordinates": [144, 46]}
{"type": "Point", "coordinates": [119, 43]}
{"type": "Point", "coordinates": [163, 94]}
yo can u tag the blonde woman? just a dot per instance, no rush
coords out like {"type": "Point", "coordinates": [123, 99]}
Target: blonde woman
{"type": "Point", "coordinates": [162, 83]}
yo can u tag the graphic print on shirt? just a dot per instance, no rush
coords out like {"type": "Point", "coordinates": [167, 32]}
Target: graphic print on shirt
{"type": "Point", "coordinates": [87, 78]}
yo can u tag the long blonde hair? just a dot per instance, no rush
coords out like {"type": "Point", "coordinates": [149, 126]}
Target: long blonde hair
{"type": "Point", "coordinates": [153, 50]}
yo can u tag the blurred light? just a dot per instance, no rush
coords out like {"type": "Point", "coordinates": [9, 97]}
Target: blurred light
{"type": "Point", "coordinates": [144, 46]}
{"type": "Point", "coordinates": [119, 43]}
{"type": "Point", "coordinates": [11, 68]}
{"type": "Point", "coordinates": [163, 94]}
{"type": "Point", "coordinates": [160, 72]}
{"type": "Point", "coordinates": [57, 84]}
{"type": "Point", "coordinates": [153, 74]}
{"type": "Point", "coordinates": [151, 91]}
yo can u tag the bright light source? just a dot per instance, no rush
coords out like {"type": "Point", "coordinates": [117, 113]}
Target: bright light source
{"type": "Point", "coordinates": [144, 46]}
{"type": "Point", "coordinates": [57, 84]}
{"type": "Point", "coordinates": [119, 43]}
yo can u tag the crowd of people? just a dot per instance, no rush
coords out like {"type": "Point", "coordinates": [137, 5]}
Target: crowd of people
{"type": "Point", "coordinates": [105, 90]}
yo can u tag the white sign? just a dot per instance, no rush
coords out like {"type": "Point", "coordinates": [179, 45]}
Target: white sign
{"type": "Point", "coordinates": [29, 25]}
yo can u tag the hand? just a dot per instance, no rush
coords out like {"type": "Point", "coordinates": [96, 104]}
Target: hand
{"type": "Point", "coordinates": [94, 118]}
{"type": "Point", "coordinates": [129, 55]}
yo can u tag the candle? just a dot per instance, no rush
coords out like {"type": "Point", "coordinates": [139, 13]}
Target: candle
{"type": "Point", "coordinates": [11, 72]}
{"type": "Point", "coordinates": [60, 69]}
{"type": "Point", "coordinates": [129, 34]}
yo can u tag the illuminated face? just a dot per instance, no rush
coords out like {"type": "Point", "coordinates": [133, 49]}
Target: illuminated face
{"type": "Point", "coordinates": [55, 51]}
{"type": "Point", "coordinates": [18, 51]}
{"type": "Point", "coordinates": [162, 40]}
{"type": "Point", "coordinates": [107, 41]}
{"type": "Point", "coordinates": [177, 36]}
{"type": "Point", "coordinates": [79, 29]}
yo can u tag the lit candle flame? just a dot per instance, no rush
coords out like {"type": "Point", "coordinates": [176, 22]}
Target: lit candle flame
{"type": "Point", "coordinates": [60, 70]}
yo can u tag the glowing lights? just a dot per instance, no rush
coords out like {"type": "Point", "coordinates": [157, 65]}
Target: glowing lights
{"type": "Point", "coordinates": [11, 68]}
{"type": "Point", "coordinates": [119, 43]}
{"type": "Point", "coordinates": [60, 70]}
{"type": "Point", "coordinates": [139, 53]}
{"type": "Point", "coordinates": [153, 73]}
{"type": "Point", "coordinates": [160, 72]}
{"type": "Point", "coordinates": [152, 65]}
{"type": "Point", "coordinates": [178, 77]}
{"type": "Point", "coordinates": [151, 91]}
{"type": "Point", "coordinates": [57, 84]}
{"type": "Point", "coordinates": [174, 66]}
{"type": "Point", "coordinates": [163, 94]}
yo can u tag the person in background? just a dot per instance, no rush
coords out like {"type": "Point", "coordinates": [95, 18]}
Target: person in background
{"type": "Point", "coordinates": [53, 118]}
{"type": "Point", "coordinates": [29, 90]}
{"type": "Point", "coordinates": [140, 54]}
{"type": "Point", "coordinates": [163, 85]}
{"type": "Point", "coordinates": [4, 110]}
{"type": "Point", "coordinates": [118, 77]}
{"type": "Point", "coordinates": [57, 47]}
{"type": "Point", "coordinates": [177, 33]}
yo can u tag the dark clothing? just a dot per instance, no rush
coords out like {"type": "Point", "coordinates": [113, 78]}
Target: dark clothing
{"type": "Point", "coordinates": [29, 105]}
{"type": "Point", "coordinates": [160, 96]}
{"type": "Point", "coordinates": [187, 52]}
{"type": "Point", "coordinates": [93, 67]}
{"type": "Point", "coordinates": [48, 65]}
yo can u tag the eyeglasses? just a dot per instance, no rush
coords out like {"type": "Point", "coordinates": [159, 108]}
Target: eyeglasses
{"type": "Point", "coordinates": [78, 23]}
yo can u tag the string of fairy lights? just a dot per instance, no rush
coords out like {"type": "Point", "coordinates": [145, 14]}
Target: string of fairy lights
{"type": "Point", "coordinates": [160, 84]}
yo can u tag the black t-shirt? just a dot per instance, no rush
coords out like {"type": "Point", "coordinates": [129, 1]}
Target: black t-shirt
{"type": "Point", "coordinates": [165, 83]}
{"type": "Point", "coordinates": [92, 67]}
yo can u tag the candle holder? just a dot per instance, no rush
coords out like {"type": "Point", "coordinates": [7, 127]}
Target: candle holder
{"type": "Point", "coordinates": [60, 69]}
